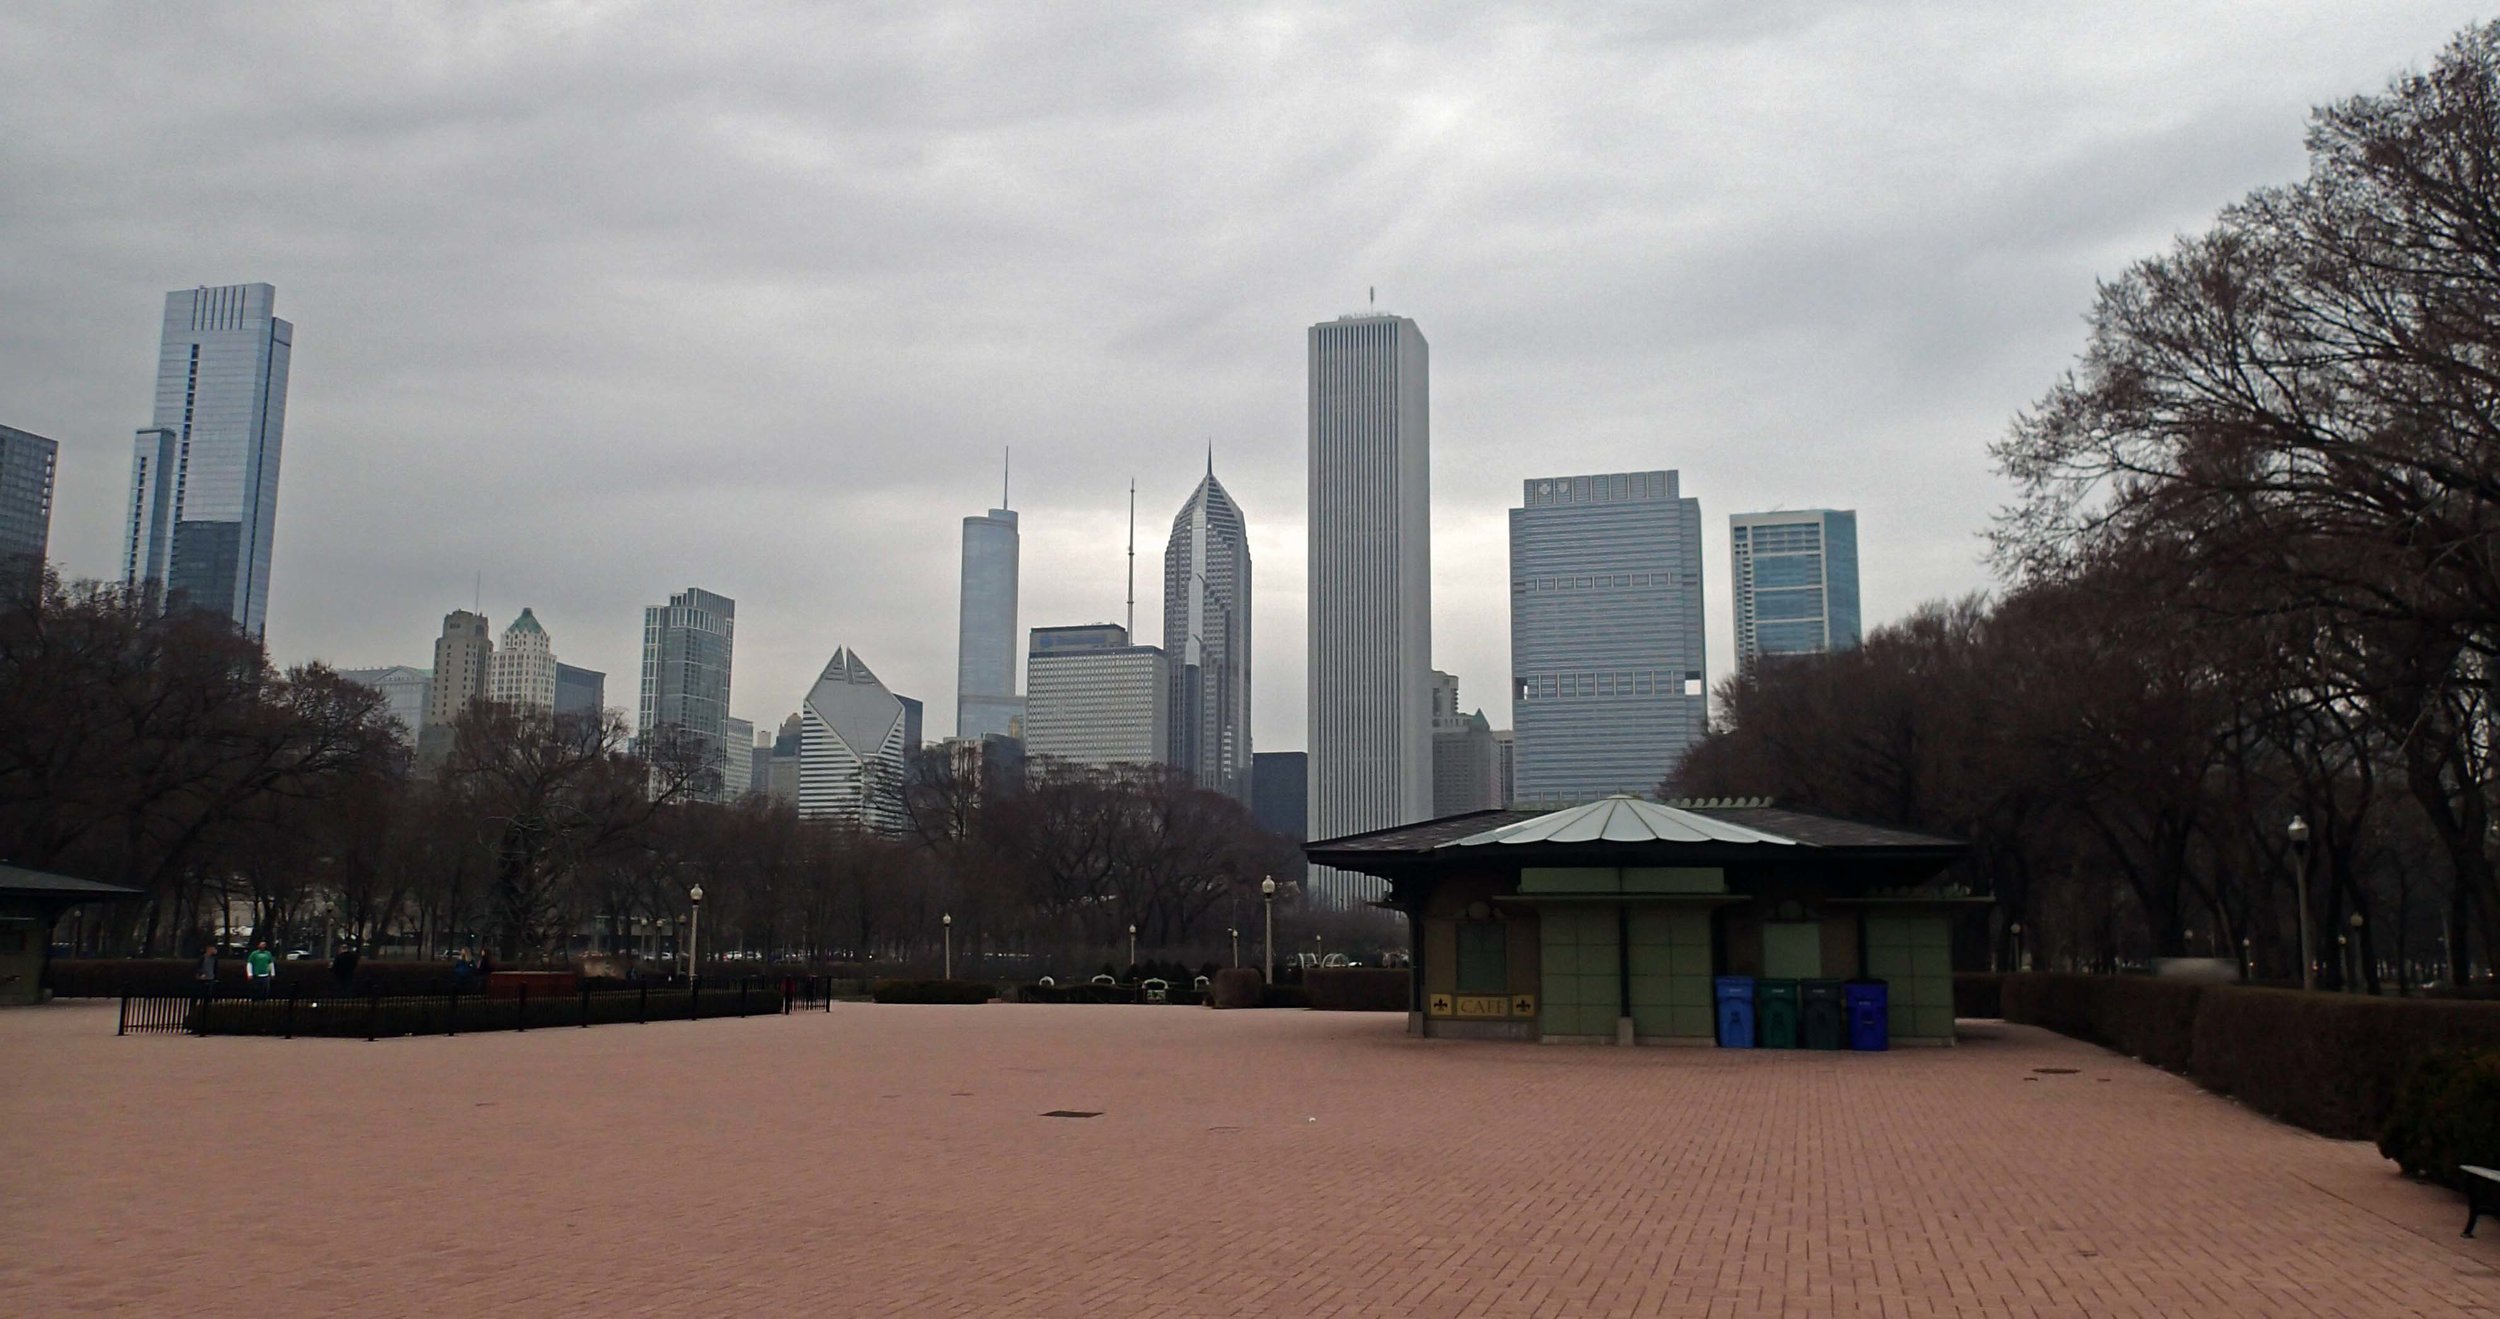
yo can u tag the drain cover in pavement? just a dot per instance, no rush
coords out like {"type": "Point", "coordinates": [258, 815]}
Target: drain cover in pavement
{"type": "Point", "coordinates": [2055, 1071]}
{"type": "Point", "coordinates": [1072, 1112]}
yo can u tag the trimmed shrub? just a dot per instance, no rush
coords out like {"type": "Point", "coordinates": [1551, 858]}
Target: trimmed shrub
{"type": "Point", "coordinates": [1236, 987]}
{"type": "Point", "coordinates": [355, 1017]}
{"type": "Point", "coordinates": [2149, 1017]}
{"type": "Point", "coordinates": [2447, 1115]}
{"type": "Point", "coordinates": [1357, 988]}
{"type": "Point", "coordinates": [1978, 994]}
{"type": "Point", "coordinates": [2333, 1063]}
{"type": "Point", "coordinates": [170, 977]}
{"type": "Point", "coordinates": [933, 991]}
{"type": "Point", "coordinates": [1285, 996]}
{"type": "Point", "coordinates": [1080, 992]}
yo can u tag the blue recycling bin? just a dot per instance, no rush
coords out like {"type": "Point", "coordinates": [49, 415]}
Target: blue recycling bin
{"type": "Point", "coordinates": [1735, 995]}
{"type": "Point", "coordinates": [1870, 1015]}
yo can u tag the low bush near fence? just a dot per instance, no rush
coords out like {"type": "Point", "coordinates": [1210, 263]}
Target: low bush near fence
{"type": "Point", "coordinates": [1236, 987]}
{"type": "Point", "coordinates": [156, 977]}
{"type": "Point", "coordinates": [933, 991]}
{"type": "Point", "coordinates": [1978, 994]}
{"type": "Point", "coordinates": [2446, 1116]}
{"type": "Point", "coordinates": [2332, 1063]}
{"type": "Point", "coordinates": [360, 1017]}
{"type": "Point", "coordinates": [1356, 988]}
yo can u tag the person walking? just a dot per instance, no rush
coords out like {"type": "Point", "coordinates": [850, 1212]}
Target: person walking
{"type": "Point", "coordinates": [262, 967]}
{"type": "Point", "coordinates": [204, 975]}
{"type": "Point", "coordinates": [343, 968]}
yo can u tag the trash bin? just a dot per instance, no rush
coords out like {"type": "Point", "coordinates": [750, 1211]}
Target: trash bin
{"type": "Point", "coordinates": [1735, 994]}
{"type": "Point", "coordinates": [1870, 1015]}
{"type": "Point", "coordinates": [1775, 1008]}
{"type": "Point", "coordinates": [1821, 1024]}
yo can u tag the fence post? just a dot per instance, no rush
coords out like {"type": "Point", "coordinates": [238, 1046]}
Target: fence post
{"type": "Point", "coordinates": [521, 1013]}
{"type": "Point", "coordinates": [743, 982]}
{"type": "Point", "coordinates": [451, 1012]}
{"type": "Point", "coordinates": [373, 1016]}
{"type": "Point", "coordinates": [694, 998]}
{"type": "Point", "coordinates": [290, 1014]}
{"type": "Point", "coordinates": [122, 1027]}
{"type": "Point", "coordinates": [585, 1006]}
{"type": "Point", "coordinates": [645, 1019]}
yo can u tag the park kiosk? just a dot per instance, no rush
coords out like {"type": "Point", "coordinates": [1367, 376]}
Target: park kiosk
{"type": "Point", "coordinates": [1628, 921]}
{"type": "Point", "coordinates": [31, 903]}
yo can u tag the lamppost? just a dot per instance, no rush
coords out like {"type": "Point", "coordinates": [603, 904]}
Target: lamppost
{"type": "Point", "coordinates": [2299, 832]}
{"type": "Point", "coordinates": [946, 923]}
{"type": "Point", "coordinates": [1319, 949]}
{"type": "Point", "coordinates": [2016, 929]}
{"type": "Point", "coordinates": [1132, 945]}
{"type": "Point", "coordinates": [694, 932]}
{"type": "Point", "coordinates": [1235, 932]}
{"type": "Point", "coordinates": [1267, 898]}
{"type": "Point", "coordinates": [2357, 955]}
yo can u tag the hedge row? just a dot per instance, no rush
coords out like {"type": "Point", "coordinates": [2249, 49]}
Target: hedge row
{"type": "Point", "coordinates": [933, 991]}
{"type": "Point", "coordinates": [2447, 1116]}
{"type": "Point", "coordinates": [358, 1017]}
{"type": "Point", "coordinates": [1357, 988]}
{"type": "Point", "coordinates": [1978, 994]}
{"type": "Point", "coordinates": [161, 977]}
{"type": "Point", "coordinates": [2333, 1063]}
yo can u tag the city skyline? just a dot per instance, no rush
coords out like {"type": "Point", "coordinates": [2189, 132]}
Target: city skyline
{"type": "Point", "coordinates": [1767, 289]}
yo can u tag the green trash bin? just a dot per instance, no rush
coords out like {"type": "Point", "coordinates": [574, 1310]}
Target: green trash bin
{"type": "Point", "coordinates": [1775, 1012]}
{"type": "Point", "coordinates": [1823, 1023]}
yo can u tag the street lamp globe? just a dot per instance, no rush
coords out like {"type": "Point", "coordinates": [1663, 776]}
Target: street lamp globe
{"type": "Point", "coordinates": [695, 894]}
{"type": "Point", "coordinates": [947, 919]}
{"type": "Point", "coordinates": [1267, 887]}
{"type": "Point", "coordinates": [2298, 830]}
{"type": "Point", "coordinates": [2356, 920]}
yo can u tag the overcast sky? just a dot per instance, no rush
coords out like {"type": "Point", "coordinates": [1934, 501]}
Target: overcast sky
{"type": "Point", "coordinates": [602, 301]}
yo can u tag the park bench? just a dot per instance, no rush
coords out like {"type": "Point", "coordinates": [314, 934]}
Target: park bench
{"type": "Point", "coordinates": [2482, 1194]}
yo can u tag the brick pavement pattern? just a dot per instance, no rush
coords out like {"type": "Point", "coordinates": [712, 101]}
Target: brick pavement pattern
{"type": "Point", "coordinates": [891, 1160]}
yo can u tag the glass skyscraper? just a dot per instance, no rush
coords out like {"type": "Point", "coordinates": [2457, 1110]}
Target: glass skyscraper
{"type": "Point", "coordinates": [204, 476]}
{"type": "Point", "coordinates": [1206, 640]}
{"type": "Point", "coordinates": [1370, 595]}
{"type": "Point", "coordinates": [1796, 580]}
{"type": "Point", "coordinates": [686, 647]}
{"type": "Point", "coordinates": [985, 638]}
{"type": "Point", "coordinates": [1606, 655]}
{"type": "Point", "coordinates": [26, 465]}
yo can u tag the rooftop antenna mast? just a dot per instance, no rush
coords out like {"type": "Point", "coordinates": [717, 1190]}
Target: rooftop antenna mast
{"type": "Point", "coordinates": [1006, 469]}
{"type": "Point", "coordinates": [1132, 561]}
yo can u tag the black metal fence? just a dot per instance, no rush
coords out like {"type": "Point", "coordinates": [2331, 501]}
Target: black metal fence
{"type": "Point", "coordinates": [373, 1016]}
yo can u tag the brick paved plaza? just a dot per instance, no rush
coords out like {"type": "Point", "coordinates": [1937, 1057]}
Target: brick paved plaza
{"type": "Point", "coordinates": [894, 1160]}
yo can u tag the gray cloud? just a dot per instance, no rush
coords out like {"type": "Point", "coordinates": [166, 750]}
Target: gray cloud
{"type": "Point", "coordinates": [600, 301]}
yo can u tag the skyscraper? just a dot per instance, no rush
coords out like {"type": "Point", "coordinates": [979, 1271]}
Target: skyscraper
{"type": "Point", "coordinates": [1094, 699]}
{"type": "Point", "coordinates": [1796, 582]}
{"type": "Point", "coordinates": [406, 689]}
{"type": "Point", "coordinates": [26, 463]}
{"type": "Point", "coordinates": [985, 636]}
{"type": "Point", "coordinates": [581, 691]}
{"type": "Point", "coordinates": [523, 674]}
{"type": "Point", "coordinates": [1466, 761]}
{"type": "Point", "coordinates": [1281, 800]}
{"type": "Point", "coordinates": [464, 658]}
{"type": "Point", "coordinates": [1370, 596]}
{"type": "Point", "coordinates": [737, 764]}
{"type": "Point", "coordinates": [686, 650]}
{"type": "Point", "coordinates": [204, 474]}
{"type": "Point", "coordinates": [1606, 653]}
{"type": "Point", "coordinates": [1206, 639]}
{"type": "Point", "coordinates": [851, 748]}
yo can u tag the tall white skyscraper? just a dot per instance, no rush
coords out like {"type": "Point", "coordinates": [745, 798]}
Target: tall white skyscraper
{"type": "Point", "coordinates": [1206, 639]}
{"type": "Point", "coordinates": [1094, 699]}
{"type": "Point", "coordinates": [1370, 597]}
{"type": "Point", "coordinates": [1606, 653]}
{"type": "Point", "coordinates": [851, 748]}
{"type": "Point", "coordinates": [687, 645]}
{"type": "Point", "coordinates": [985, 637]}
{"type": "Point", "coordinates": [523, 673]}
{"type": "Point", "coordinates": [204, 474]}
{"type": "Point", "coordinates": [1796, 580]}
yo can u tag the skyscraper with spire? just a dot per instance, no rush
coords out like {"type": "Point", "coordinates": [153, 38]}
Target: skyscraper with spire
{"type": "Point", "coordinates": [986, 703]}
{"type": "Point", "coordinates": [1206, 639]}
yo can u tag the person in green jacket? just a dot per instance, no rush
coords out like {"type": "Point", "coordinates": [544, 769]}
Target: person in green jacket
{"type": "Point", "coordinates": [262, 966]}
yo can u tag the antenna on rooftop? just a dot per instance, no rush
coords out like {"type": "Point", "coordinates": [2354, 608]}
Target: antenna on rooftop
{"type": "Point", "coordinates": [1006, 468]}
{"type": "Point", "coordinates": [1132, 560]}
{"type": "Point", "coordinates": [1371, 296]}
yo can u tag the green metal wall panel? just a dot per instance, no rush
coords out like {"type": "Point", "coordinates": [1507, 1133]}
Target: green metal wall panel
{"type": "Point", "coordinates": [1670, 957]}
{"type": "Point", "coordinates": [1913, 954]}
{"type": "Point", "coordinates": [1582, 985]}
{"type": "Point", "coordinates": [1792, 950]}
